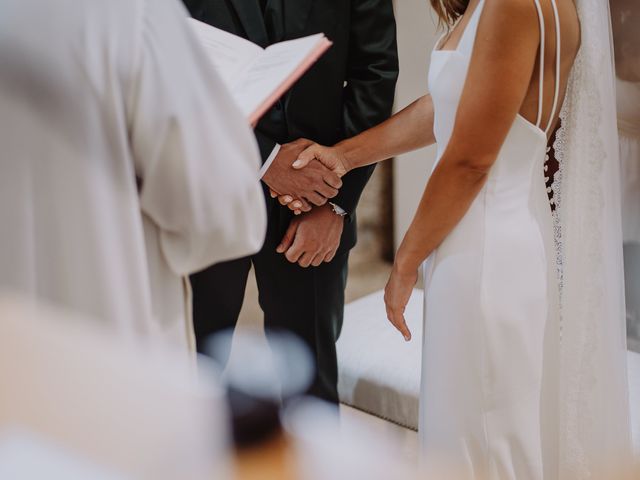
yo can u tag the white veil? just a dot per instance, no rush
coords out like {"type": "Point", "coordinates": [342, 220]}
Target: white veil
{"type": "Point", "coordinates": [593, 423]}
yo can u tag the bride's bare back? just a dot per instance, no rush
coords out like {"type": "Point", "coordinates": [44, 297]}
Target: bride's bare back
{"type": "Point", "coordinates": [504, 73]}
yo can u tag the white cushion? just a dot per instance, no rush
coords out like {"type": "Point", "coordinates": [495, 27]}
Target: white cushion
{"type": "Point", "coordinates": [380, 372]}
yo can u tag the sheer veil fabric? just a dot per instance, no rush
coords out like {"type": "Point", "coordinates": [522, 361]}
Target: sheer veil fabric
{"type": "Point", "coordinates": [592, 427]}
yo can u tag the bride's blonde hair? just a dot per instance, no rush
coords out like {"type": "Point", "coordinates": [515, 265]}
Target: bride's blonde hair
{"type": "Point", "coordinates": [449, 11]}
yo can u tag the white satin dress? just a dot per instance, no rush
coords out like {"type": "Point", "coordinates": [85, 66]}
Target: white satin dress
{"type": "Point", "coordinates": [490, 295]}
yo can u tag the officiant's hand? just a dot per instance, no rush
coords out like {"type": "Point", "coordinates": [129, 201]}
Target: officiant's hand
{"type": "Point", "coordinates": [313, 238]}
{"type": "Point", "coordinates": [396, 297]}
{"type": "Point", "coordinates": [313, 185]}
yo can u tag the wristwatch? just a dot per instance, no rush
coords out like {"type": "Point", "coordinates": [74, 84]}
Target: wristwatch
{"type": "Point", "coordinates": [338, 210]}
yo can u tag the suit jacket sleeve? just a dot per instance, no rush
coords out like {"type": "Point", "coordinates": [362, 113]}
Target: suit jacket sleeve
{"type": "Point", "coordinates": [371, 81]}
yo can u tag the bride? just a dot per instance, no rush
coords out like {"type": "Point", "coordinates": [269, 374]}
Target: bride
{"type": "Point", "coordinates": [524, 373]}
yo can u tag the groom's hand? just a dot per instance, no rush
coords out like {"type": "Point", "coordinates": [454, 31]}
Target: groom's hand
{"type": "Point", "coordinates": [314, 184]}
{"type": "Point", "coordinates": [313, 238]}
{"type": "Point", "coordinates": [332, 158]}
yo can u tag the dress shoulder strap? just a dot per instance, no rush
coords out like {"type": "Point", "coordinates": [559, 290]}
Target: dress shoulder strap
{"type": "Point", "coordinates": [556, 93]}
{"type": "Point", "coordinates": [469, 35]}
{"type": "Point", "coordinates": [541, 65]}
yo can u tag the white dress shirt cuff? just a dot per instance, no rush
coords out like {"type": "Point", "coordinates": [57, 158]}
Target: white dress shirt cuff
{"type": "Point", "coordinates": [270, 159]}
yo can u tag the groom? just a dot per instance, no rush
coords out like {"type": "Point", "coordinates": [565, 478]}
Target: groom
{"type": "Point", "coordinates": [302, 269]}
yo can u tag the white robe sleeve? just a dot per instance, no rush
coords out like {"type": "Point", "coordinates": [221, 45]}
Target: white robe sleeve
{"type": "Point", "coordinates": [194, 151]}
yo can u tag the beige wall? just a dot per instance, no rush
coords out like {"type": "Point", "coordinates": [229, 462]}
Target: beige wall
{"type": "Point", "coordinates": [416, 35]}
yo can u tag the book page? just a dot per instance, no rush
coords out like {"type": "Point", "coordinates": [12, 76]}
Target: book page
{"type": "Point", "coordinates": [273, 68]}
{"type": "Point", "coordinates": [257, 77]}
{"type": "Point", "coordinates": [230, 55]}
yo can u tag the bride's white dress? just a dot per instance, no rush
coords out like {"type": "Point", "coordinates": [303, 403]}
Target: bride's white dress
{"type": "Point", "coordinates": [490, 295]}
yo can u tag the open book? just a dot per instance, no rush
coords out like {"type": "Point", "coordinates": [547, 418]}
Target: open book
{"type": "Point", "coordinates": [258, 77]}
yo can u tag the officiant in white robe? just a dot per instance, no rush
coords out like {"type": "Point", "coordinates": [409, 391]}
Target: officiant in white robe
{"type": "Point", "coordinates": [124, 165]}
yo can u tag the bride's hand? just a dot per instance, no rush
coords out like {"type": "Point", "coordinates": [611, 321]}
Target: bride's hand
{"type": "Point", "coordinates": [396, 296]}
{"type": "Point", "coordinates": [296, 205]}
{"type": "Point", "coordinates": [331, 157]}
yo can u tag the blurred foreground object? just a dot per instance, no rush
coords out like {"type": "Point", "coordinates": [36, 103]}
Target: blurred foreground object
{"type": "Point", "coordinates": [26, 456]}
{"type": "Point", "coordinates": [324, 449]}
{"type": "Point", "coordinates": [261, 375]}
{"type": "Point", "coordinates": [140, 414]}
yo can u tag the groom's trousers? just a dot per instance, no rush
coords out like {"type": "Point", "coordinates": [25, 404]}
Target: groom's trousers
{"type": "Point", "coordinates": [308, 302]}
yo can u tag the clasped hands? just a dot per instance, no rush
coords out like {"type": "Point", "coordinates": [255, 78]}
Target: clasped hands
{"type": "Point", "coordinates": [322, 168]}
{"type": "Point", "coordinates": [313, 237]}
{"type": "Point", "coordinates": [301, 179]}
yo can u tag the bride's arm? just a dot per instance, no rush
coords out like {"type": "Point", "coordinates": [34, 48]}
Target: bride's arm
{"type": "Point", "coordinates": [407, 130]}
{"type": "Point", "coordinates": [497, 83]}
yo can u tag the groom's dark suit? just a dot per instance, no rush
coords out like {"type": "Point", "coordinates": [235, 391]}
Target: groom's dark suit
{"type": "Point", "coordinates": [350, 89]}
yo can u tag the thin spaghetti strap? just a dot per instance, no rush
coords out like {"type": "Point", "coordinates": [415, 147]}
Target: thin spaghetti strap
{"type": "Point", "coordinates": [541, 67]}
{"type": "Point", "coordinates": [556, 93]}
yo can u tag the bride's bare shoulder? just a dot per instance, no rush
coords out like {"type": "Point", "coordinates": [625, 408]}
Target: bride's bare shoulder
{"type": "Point", "coordinates": [511, 10]}
{"type": "Point", "coordinates": [520, 19]}
{"type": "Point", "coordinates": [508, 21]}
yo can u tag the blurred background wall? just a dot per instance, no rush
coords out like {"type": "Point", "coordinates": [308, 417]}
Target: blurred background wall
{"type": "Point", "coordinates": [416, 36]}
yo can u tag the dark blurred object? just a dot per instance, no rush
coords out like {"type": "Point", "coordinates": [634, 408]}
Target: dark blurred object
{"type": "Point", "coordinates": [260, 376]}
{"type": "Point", "coordinates": [254, 420]}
